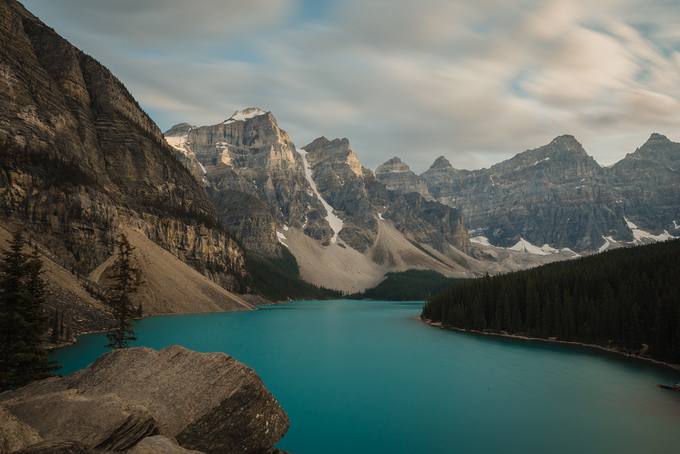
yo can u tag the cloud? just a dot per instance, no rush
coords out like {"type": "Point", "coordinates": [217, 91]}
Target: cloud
{"type": "Point", "coordinates": [474, 81]}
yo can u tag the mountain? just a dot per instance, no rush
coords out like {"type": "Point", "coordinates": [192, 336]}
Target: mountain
{"type": "Point", "coordinates": [648, 183]}
{"type": "Point", "coordinates": [343, 226]}
{"type": "Point", "coordinates": [80, 162]}
{"type": "Point", "coordinates": [558, 195]}
{"type": "Point", "coordinates": [257, 179]}
{"type": "Point", "coordinates": [397, 176]}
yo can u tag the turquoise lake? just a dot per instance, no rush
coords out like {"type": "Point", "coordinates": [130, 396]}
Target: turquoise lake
{"type": "Point", "coordinates": [367, 377]}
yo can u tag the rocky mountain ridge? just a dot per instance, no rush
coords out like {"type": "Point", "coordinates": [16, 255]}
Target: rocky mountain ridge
{"type": "Point", "coordinates": [558, 195]}
{"type": "Point", "coordinates": [81, 162]}
{"type": "Point", "coordinates": [320, 190]}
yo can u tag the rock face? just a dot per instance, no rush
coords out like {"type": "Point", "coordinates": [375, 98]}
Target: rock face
{"type": "Point", "coordinates": [79, 158]}
{"type": "Point", "coordinates": [102, 422]}
{"type": "Point", "coordinates": [58, 447]}
{"type": "Point", "coordinates": [15, 434]}
{"type": "Point", "coordinates": [249, 157]}
{"type": "Point", "coordinates": [648, 184]}
{"type": "Point", "coordinates": [266, 191]}
{"type": "Point", "coordinates": [339, 178]}
{"type": "Point", "coordinates": [397, 176]}
{"type": "Point", "coordinates": [556, 194]}
{"type": "Point", "coordinates": [159, 444]}
{"type": "Point", "coordinates": [206, 401]}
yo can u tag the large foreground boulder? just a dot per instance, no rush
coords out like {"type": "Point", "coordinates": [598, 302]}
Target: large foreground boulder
{"type": "Point", "coordinates": [159, 444]}
{"type": "Point", "coordinates": [206, 401]}
{"type": "Point", "coordinates": [15, 434]}
{"type": "Point", "coordinates": [103, 421]}
{"type": "Point", "coordinates": [59, 447]}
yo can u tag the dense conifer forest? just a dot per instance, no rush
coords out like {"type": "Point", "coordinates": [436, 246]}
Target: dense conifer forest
{"type": "Point", "coordinates": [628, 299]}
{"type": "Point", "coordinates": [279, 278]}
{"type": "Point", "coordinates": [407, 285]}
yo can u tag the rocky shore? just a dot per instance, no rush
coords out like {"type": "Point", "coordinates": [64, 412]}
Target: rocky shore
{"type": "Point", "coordinates": [143, 401]}
{"type": "Point", "coordinates": [520, 337]}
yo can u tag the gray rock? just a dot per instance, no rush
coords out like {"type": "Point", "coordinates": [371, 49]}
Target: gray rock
{"type": "Point", "coordinates": [556, 194]}
{"type": "Point", "coordinates": [159, 444]}
{"type": "Point", "coordinates": [207, 401]}
{"type": "Point", "coordinates": [397, 176]}
{"type": "Point", "coordinates": [58, 447]}
{"type": "Point", "coordinates": [101, 421]}
{"type": "Point", "coordinates": [79, 156]}
{"type": "Point", "coordinates": [250, 155]}
{"type": "Point", "coordinates": [15, 434]}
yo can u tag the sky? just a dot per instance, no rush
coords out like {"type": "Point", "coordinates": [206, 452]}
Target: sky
{"type": "Point", "coordinates": [474, 81]}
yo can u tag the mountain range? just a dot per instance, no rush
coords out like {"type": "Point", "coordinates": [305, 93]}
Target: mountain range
{"type": "Point", "coordinates": [205, 206]}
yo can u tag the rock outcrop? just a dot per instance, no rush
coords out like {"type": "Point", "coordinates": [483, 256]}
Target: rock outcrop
{"type": "Point", "coordinates": [397, 176]}
{"type": "Point", "coordinates": [15, 434]}
{"type": "Point", "coordinates": [58, 447]}
{"type": "Point", "coordinates": [647, 184]}
{"type": "Point", "coordinates": [249, 156]}
{"type": "Point", "coordinates": [158, 444]}
{"type": "Point", "coordinates": [559, 195]}
{"type": "Point", "coordinates": [339, 178]}
{"type": "Point", "coordinates": [207, 402]}
{"type": "Point", "coordinates": [556, 194]}
{"type": "Point", "coordinates": [79, 158]}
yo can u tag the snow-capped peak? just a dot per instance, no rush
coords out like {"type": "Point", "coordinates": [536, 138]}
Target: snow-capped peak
{"type": "Point", "coordinates": [245, 114]}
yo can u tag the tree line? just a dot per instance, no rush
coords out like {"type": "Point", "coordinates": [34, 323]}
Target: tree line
{"type": "Point", "coordinates": [24, 327]}
{"type": "Point", "coordinates": [628, 299]}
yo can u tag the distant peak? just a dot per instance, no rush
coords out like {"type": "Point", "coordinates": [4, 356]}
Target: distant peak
{"type": "Point", "coordinates": [656, 138]}
{"type": "Point", "coordinates": [566, 139]}
{"type": "Point", "coordinates": [246, 114]}
{"type": "Point", "coordinates": [567, 143]}
{"type": "Point", "coordinates": [178, 130]}
{"type": "Point", "coordinates": [392, 165]}
{"type": "Point", "coordinates": [392, 161]}
{"type": "Point", "coordinates": [441, 163]}
{"type": "Point", "coordinates": [323, 142]}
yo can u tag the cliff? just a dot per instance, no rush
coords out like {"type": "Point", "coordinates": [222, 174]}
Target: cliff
{"type": "Point", "coordinates": [79, 160]}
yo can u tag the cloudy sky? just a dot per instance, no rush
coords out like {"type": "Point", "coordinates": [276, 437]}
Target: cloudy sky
{"type": "Point", "coordinates": [476, 81]}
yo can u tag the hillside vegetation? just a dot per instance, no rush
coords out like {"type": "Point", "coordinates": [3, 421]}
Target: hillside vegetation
{"type": "Point", "coordinates": [627, 299]}
{"type": "Point", "coordinates": [408, 285]}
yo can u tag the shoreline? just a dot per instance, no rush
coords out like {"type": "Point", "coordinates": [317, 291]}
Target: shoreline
{"type": "Point", "coordinates": [518, 337]}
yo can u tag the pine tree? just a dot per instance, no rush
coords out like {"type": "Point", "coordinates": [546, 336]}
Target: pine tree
{"type": "Point", "coordinates": [23, 357]}
{"type": "Point", "coordinates": [126, 281]}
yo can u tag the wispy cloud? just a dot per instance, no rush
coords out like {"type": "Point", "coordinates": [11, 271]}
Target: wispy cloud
{"type": "Point", "coordinates": [475, 81]}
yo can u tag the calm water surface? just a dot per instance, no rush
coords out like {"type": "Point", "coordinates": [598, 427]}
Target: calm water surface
{"type": "Point", "coordinates": [366, 377]}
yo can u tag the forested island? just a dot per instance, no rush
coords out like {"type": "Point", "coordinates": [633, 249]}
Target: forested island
{"type": "Point", "coordinates": [627, 300]}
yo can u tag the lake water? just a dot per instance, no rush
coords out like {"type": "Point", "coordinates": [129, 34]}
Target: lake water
{"type": "Point", "coordinates": [366, 377]}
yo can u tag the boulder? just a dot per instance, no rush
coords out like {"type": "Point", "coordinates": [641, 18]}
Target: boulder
{"type": "Point", "coordinates": [158, 444]}
{"type": "Point", "coordinates": [101, 421]}
{"type": "Point", "coordinates": [14, 434]}
{"type": "Point", "coordinates": [57, 447]}
{"type": "Point", "coordinates": [206, 401]}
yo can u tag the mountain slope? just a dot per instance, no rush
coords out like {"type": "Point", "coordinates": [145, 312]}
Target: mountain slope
{"type": "Point", "coordinates": [559, 195]}
{"type": "Point", "coordinates": [80, 160]}
{"type": "Point", "coordinates": [318, 202]}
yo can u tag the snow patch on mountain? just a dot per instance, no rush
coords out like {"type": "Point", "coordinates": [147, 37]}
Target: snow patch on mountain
{"type": "Point", "coordinates": [644, 237]}
{"type": "Point", "coordinates": [609, 243]}
{"type": "Point", "coordinates": [675, 225]}
{"type": "Point", "coordinates": [245, 114]}
{"type": "Point", "coordinates": [524, 246]}
{"type": "Point", "coordinates": [484, 241]}
{"type": "Point", "coordinates": [282, 238]}
{"type": "Point", "coordinates": [333, 220]}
